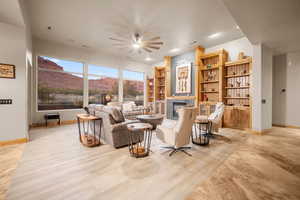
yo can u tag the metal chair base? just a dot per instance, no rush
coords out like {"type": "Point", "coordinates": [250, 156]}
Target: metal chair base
{"type": "Point", "coordinates": [174, 150]}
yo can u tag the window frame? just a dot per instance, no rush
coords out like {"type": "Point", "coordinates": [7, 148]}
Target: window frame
{"type": "Point", "coordinates": [49, 70]}
{"type": "Point", "coordinates": [124, 79]}
{"type": "Point", "coordinates": [100, 76]}
{"type": "Point", "coordinates": [85, 74]}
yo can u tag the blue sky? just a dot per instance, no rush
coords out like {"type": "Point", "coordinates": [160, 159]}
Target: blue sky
{"type": "Point", "coordinates": [71, 66]}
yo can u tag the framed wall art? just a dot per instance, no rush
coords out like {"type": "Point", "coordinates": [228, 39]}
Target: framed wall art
{"type": "Point", "coordinates": [183, 79]}
{"type": "Point", "coordinates": [7, 71]}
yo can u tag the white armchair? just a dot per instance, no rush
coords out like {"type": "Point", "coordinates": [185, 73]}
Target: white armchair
{"type": "Point", "coordinates": [131, 110]}
{"type": "Point", "coordinates": [177, 133]}
{"type": "Point", "coordinates": [214, 118]}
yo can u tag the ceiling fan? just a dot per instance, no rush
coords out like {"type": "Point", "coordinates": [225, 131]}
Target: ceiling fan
{"type": "Point", "coordinates": [138, 43]}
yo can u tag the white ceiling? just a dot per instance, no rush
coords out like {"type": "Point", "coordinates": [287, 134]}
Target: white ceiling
{"type": "Point", "coordinates": [92, 22]}
{"type": "Point", "coordinates": [275, 23]}
{"type": "Point", "coordinates": [10, 12]}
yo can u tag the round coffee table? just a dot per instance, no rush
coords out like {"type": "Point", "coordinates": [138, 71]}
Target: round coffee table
{"type": "Point", "coordinates": [142, 147]}
{"type": "Point", "coordinates": [154, 120]}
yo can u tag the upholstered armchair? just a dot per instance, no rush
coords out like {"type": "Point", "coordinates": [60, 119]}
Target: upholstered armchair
{"type": "Point", "coordinates": [114, 129]}
{"type": "Point", "coordinates": [115, 104]}
{"type": "Point", "coordinates": [177, 133]}
{"type": "Point", "coordinates": [131, 110]}
{"type": "Point", "coordinates": [214, 118]}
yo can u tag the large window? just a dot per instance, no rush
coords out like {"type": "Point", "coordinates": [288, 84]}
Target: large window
{"type": "Point", "coordinates": [103, 84]}
{"type": "Point", "coordinates": [133, 87]}
{"type": "Point", "coordinates": [60, 84]}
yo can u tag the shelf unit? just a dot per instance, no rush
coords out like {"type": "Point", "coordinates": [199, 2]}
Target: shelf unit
{"type": "Point", "coordinates": [210, 75]}
{"type": "Point", "coordinates": [160, 83]}
{"type": "Point", "coordinates": [237, 83]}
{"type": "Point", "coordinates": [150, 90]}
{"type": "Point", "coordinates": [237, 97]}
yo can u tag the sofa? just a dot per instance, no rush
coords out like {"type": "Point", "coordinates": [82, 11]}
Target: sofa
{"type": "Point", "coordinates": [114, 126]}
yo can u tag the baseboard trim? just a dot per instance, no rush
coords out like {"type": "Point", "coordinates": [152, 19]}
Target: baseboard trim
{"type": "Point", "coordinates": [11, 142]}
{"type": "Point", "coordinates": [52, 124]}
{"type": "Point", "coordinates": [263, 132]}
{"type": "Point", "coordinates": [286, 126]}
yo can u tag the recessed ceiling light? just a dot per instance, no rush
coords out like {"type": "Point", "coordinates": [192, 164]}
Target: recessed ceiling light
{"type": "Point", "coordinates": [215, 35]}
{"type": "Point", "coordinates": [148, 59]}
{"type": "Point", "coordinates": [174, 50]}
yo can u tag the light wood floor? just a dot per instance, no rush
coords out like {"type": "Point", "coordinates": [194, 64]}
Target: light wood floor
{"type": "Point", "coordinates": [265, 167]}
{"type": "Point", "coordinates": [9, 157]}
{"type": "Point", "coordinates": [237, 166]}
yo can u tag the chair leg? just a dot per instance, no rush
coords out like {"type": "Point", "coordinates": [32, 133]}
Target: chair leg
{"type": "Point", "coordinates": [174, 150]}
{"type": "Point", "coordinates": [186, 152]}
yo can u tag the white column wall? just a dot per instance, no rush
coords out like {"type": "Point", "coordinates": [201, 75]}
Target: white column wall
{"type": "Point", "coordinates": [261, 88]}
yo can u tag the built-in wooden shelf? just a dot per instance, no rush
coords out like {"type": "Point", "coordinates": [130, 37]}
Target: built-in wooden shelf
{"type": "Point", "coordinates": [209, 91]}
{"type": "Point", "coordinates": [206, 82]}
{"type": "Point", "coordinates": [160, 83]}
{"type": "Point", "coordinates": [236, 97]}
{"type": "Point", "coordinates": [242, 87]}
{"type": "Point", "coordinates": [150, 89]}
{"type": "Point", "coordinates": [212, 68]}
{"type": "Point", "coordinates": [239, 62]}
{"type": "Point", "coordinates": [237, 75]}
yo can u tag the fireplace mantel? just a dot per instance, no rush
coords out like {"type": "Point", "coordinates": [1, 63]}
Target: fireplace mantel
{"type": "Point", "coordinates": [181, 98]}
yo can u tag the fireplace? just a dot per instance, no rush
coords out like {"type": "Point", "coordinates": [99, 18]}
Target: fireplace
{"type": "Point", "coordinates": [174, 105]}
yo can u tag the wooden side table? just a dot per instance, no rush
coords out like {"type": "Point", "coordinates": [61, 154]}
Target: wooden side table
{"type": "Point", "coordinates": [89, 128]}
{"type": "Point", "coordinates": [142, 147]}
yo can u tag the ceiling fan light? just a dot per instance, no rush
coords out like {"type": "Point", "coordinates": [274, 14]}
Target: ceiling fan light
{"type": "Point", "coordinates": [136, 45]}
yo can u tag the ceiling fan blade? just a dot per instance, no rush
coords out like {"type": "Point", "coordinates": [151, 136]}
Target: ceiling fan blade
{"type": "Point", "coordinates": [155, 43]}
{"type": "Point", "coordinates": [146, 49]}
{"type": "Point", "coordinates": [153, 47]}
{"type": "Point", "coordinates": [119, 44]}
{"type": "Point", "coordinates": [155, 38]}
{"type": "Point", "coordinates": [115, 39]}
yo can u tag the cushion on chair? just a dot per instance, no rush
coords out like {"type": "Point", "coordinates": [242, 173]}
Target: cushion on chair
{"type": "Point", "coordinates": [115, 113]}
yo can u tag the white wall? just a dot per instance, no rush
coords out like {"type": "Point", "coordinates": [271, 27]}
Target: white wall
{"type": "Point", "coordinates": [286, 76]}
{"type": "Point", "coordinates": [256, 88]}
{"type": "Point", "coordinates": [267, 85]}
{"type": "Point", "coordinates": [279, 83]}
{"type": "Point", "coordinates": [262, 88]}
{"type": "Point", "coordinates": [13, 51]}
{"type": "Point", "coordinates": [234, 48]}
{"type": "Point", "coordinates": [87, 56]}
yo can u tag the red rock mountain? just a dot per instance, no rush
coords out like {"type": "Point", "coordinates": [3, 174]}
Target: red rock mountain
{"type": "Point", "coordinates": [69, 81]}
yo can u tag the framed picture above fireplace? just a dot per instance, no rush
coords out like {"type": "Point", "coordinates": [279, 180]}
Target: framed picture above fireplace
{"type": "Point", "coordinates": [183, 79]}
